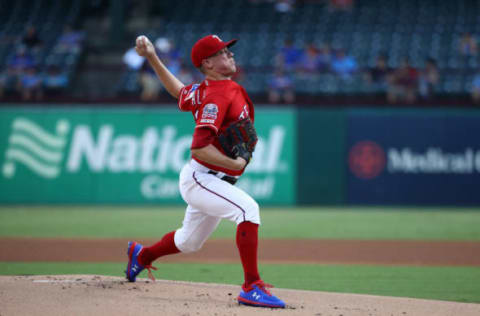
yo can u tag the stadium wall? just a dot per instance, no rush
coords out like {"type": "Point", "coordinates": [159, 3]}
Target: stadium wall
{"type": "Point", "coordinates": [305, 156]}
{"type": "Point", "coordinates": [112, 155]}
{"type": "Point", "coordinates": [413, 157]}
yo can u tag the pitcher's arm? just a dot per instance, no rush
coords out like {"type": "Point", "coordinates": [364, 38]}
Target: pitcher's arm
{"type": "Point", "coordinates": [171, 83]}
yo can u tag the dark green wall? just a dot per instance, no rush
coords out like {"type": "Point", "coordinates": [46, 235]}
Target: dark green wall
{"type": "Point", "coordinates": [321, 166]}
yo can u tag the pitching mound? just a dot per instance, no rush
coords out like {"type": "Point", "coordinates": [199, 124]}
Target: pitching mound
{"type": "Point", "coordinates": [101, 295]}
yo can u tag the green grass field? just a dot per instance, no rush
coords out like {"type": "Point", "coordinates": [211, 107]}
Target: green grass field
{"type": "Point", "coordinates": [292, 223]}
{"type": "Point", "coordinates": [445, 283]}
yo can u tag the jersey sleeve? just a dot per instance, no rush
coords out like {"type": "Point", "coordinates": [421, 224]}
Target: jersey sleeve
{"type": "Point", "coordinates": [187, 97]}
{"type": "Point", "coordinates": [202, 137]}
{"type": "Point", "coordinates": [212, 112]}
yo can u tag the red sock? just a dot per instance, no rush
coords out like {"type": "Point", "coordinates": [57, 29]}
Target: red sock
{"type": "Point", "coordinates": [247, 243]}
{"type": "Point", "coordinates": [164, 247]}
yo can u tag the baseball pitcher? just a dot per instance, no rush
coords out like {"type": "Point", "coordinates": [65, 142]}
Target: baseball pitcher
{"type": "Point", "coordinates": [223, 142]}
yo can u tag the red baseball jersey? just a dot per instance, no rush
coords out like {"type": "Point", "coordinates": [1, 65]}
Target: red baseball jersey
{"type": "Point", "coordinates": [215, 104]}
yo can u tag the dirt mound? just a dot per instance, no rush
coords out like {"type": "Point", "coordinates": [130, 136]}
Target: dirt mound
{"type": "Point", "coordinates": [101, 295]}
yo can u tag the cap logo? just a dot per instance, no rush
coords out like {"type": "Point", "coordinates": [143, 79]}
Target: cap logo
{"type": "Point", "coordinates": [216, 36]}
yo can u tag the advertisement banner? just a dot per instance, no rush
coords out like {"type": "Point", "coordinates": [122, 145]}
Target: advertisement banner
{"type": "Point", "coordinates": [429, 157]}
{"type": "Point", "coordinates": [126, 156]}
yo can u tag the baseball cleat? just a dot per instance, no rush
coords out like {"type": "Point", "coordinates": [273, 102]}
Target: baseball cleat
{"type": "Point", "coordinates": [257, 295]}
{"type": "Point", "coordinates": [134, 267]}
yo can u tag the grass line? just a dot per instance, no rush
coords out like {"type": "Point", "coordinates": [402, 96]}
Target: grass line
{"type": "Point", "coordinates": [460, 284]}
{"type": "Point", "coordinates": [287, 223]}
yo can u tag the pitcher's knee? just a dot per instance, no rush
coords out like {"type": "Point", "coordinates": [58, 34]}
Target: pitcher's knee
{"type": "Point", "coordinates": [188, 247]}
{"type": "Point", "coordinates": [252, 212]}
{"type": "Point", "coordinates": [187, 244]}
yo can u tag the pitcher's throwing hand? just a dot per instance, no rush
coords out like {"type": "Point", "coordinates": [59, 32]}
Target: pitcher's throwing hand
{"type": "Point", "coordinates": [144, 47]}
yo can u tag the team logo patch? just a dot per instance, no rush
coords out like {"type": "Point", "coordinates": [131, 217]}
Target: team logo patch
{"type": "Point", "coordinates": [210, 111]}
{"type": "Point", "coordinates": [191, 92]}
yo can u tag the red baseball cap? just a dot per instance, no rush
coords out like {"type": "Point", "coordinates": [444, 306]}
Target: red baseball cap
{"type": "Point", "coordinates": [208, 46]}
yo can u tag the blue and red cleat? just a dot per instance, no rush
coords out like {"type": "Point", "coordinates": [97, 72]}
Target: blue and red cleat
{"type": "Point", "coordinates": [134, 267]}
{"type": "Point", "coordinates": [257, 295]}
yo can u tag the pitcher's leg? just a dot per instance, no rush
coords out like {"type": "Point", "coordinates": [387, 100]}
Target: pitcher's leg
{"type": "Point", "coordinates": [197, 227]}
{"type": "Point", "coordinates": [166, 246]}
{"type": "Point", "coordinates": [247, 244]}
{"type": "Point", "coordinates": [215, 196]}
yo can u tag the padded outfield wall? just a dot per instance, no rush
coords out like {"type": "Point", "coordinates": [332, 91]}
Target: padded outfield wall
{"type": "Point", "coordinates": [389, 157]}
{"type": "Point", "coordinates": [304, 156]}
{"type": "Point", "coordinates": [95, 155]}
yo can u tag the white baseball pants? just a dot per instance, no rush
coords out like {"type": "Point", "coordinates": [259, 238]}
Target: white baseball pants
{"type": "Point", "coordinates": [209, 200]}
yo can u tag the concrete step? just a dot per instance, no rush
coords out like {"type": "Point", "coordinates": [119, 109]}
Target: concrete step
{"type": "Point", "coordinates": [97, 83]}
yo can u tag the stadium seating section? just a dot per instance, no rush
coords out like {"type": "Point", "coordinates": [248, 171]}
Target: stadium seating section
{"type": "Point", "coordinates": [416, 29]}
{"type": "Point", "coordinates": [50, 18]}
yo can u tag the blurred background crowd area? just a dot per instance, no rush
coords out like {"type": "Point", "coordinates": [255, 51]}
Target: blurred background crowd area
{"type": "Point", "coordinates": [413, 52]}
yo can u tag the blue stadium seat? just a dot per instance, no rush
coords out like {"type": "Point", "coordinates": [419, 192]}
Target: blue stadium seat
{"type": "Point", "coordinates": [397, 28]}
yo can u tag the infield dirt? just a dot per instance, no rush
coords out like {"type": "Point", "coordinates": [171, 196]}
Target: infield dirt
{"type": "Point", "coordinates": [101, 295]}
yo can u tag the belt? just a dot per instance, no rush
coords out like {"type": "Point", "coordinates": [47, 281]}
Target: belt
{"type": "Point", "coordinates": [231, 180]}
